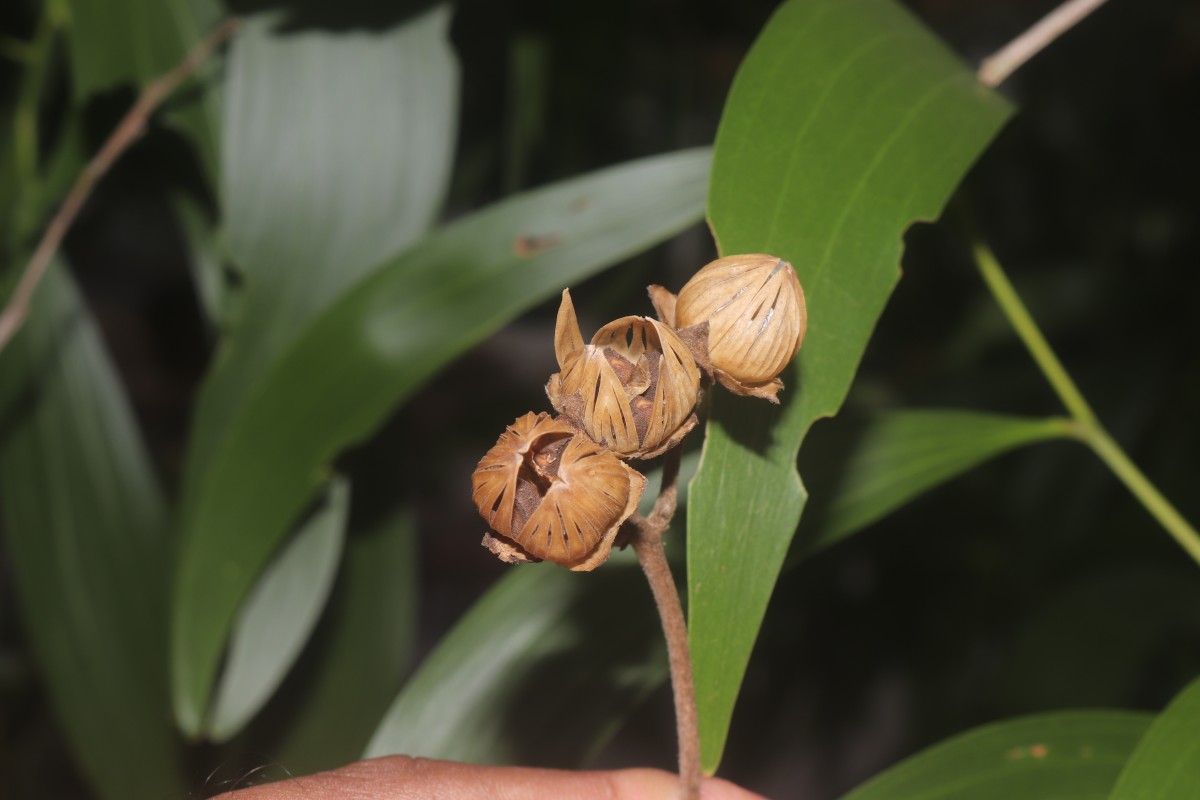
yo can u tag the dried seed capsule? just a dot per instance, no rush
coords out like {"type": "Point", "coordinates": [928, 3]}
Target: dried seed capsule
{"type": "Point", "coordinates": [633, 389]}
{"type": "Point", "coordinates": [756, 316]}
{"type": "Point", "coordinates": [548, 492]}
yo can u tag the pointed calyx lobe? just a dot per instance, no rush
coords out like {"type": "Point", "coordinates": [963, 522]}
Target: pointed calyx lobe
{"type": "Point", "coordinates": [633, 389]}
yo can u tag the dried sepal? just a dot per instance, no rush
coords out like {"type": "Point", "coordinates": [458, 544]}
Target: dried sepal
{"type": "Point", "coordinates": [755, 310]}
{"type": "Point", "coordinates": [663, 302]}
{"type": "Point", "coordinates": [633, 390]}
{"type": "Point", "coordinates": [549, 493]}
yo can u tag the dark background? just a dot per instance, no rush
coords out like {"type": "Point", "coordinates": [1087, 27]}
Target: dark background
{"type": "Point", "coordinates": [1033, 583]}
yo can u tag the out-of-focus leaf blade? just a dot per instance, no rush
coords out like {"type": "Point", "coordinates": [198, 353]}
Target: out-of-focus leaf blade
{"type": "Point", "coordinates": [86, 534]}
{"type": "Point", "coordinates": [1129, 619]}
{"type": "Point", "coordinates": [119, 42]}
{"type": "Point", "coordinates": [538, 672]}
{"type": "Point", "coordinates": [1075, 754]}
{"type": "Point", "coordinates": [131, 41]}
{"type": "Point", "coordinates": [1166, 763]}
{"type": "Point", "coordinates": [360, 654]}
{"type": "Point", "coordinates": [846, 122]}
{"type": "Point", "coordinates": [279, 615]}
{"type": "Point", "coordinates": [337, 150]}
{"type": "Point", "coordinates": [373, 348]}
{"type": "Point", "coordinates": [335, 156]}
{"type": "Point", "coordinates": [205, 262]}
{"type": "Point", "coordinates": [904, 453]}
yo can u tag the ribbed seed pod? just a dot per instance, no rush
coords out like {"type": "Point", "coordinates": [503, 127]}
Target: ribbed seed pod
{"type": "Point", "coordinates": [633, 390]}
{"type": "Point", "coordinates": [550, 493]}
{"type": "Point", "coordinates": [756, 316]}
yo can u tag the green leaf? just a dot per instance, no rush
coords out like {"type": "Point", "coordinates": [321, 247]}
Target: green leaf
{"type": "Point", "coordinates": [1075, 754]}
{"type": "Point", "coordinates": [205, 262]}
{"type": "Point", "coordinates": [1166, 763]}
{"type": "Point", "coordinates": [375, 346]}
{"type": "Point", "coordinates": [904, 453]}
{"type": "Point", "coordinates": [846, 122]}
{"type": "Point", "coordinates": [86, 534]}
{"type": "Point", "coordinates": [539, 672]}
{"type": "Point", "coordinates": [336, 154]}
{"type": "Point", "coordinates": [1102, 640]}
{"type": "Point", "coordinates": [360, 653]}
{"type": "Point", "coordinates": [118, 42]}
{"type": "Point", "coordinates": [279, 615]}
{"type": "Point", "coordinates": [337, 150]}
{"type": "Point", "coordinates": [130, 41]}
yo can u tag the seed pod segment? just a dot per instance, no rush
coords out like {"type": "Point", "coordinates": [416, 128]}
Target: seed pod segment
{"type": "Point", "coordinates": [633, 390]}
{"type": "Point", "coordinates": [756, 315]}
{"type": "Point", "coordinates": [550, 493]}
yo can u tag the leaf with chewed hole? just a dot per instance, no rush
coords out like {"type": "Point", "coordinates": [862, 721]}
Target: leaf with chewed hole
{"type": "Point", "coordinates": [847, 121]}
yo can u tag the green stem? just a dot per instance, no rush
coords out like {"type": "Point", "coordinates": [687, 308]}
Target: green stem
{"type": "Point", "coordinates": [1140, 486]}
{"type": "Point", "coordinates": [1031, 335]}
{"type": "Point", "coordinates": [1085, 426]}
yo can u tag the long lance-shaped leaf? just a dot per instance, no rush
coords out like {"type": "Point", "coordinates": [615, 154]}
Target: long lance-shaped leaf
{"type": "Point", "coordinates": [1166, 763]}
{"type": "Point", "coordinates": [280, 613]}
{"type": "Point", "coordinates": [360, 653]}
{"type": "Point", "coordinates": [1076, 754]}
{"type": "Point", "coordinates": [902, 454]}
{"type": "Point", "coordinates": [538, 672]}
{"type": "Point", "coordinates": [336, 154]}
{"type": "Point", "coordinates": [847, 121]}
{"type": "Point", "coordinates": [369, 351]}
{"type": "Point", "coordinates": [86, 532]}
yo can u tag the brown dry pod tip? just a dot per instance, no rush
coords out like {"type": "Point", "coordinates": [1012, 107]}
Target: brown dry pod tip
{"type": "Point", "coordinates": [756, 316]}
{"type": "Point", "coordinates": [633, 389]}
{"type": "Point", "coordinates": [548, 492]}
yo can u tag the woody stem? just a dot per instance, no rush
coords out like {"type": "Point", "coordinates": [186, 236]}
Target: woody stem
{"type": "Point", "coordinates": [647, 541]}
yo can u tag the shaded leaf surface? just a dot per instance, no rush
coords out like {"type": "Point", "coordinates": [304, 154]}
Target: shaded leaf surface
{"type": "Point", "coordinates": [360, 654]}
{"type": "Point", "coordinates": [336, 152]}
{"type": "Point", "coordinates": [1076, 754]}
{"type": "Point", "coordinates": [118, 42]}
{"type": "Point", "coordinates": [539, 672]}
{"type": "Point", "coordinates": [86, 532]}
{"type": "Point", "coordinates": [1129, 620]}
{"type": "Point", "coordinates": [846, 122]}
{"type": "Point", "coordinates": [903, 454]}
{"type": "Point", "coordinates": [1166, 763]}
{"type": "Point", "coordinates": [279, 614]}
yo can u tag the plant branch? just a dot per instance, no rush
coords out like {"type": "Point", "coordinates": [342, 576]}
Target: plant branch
{"type": "Point", "coordinates": [128, 130]}
{"type": "Point", "coordinates": [1140, 486]}
{"type": "Point", "coordinates": [1084, 424]}
{"type": "Point", "coordinates": [647, 542]}
{"type": "Point", "coordinates": [996, 68]}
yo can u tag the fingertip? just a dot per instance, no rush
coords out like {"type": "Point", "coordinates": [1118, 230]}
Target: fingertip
{"type": "Point", "coordinates": [721, 789]}
{"type": "Point", "coordinates": [655, 784]}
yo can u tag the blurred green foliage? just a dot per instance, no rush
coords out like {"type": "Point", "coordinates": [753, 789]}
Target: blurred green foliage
{"type": "Point", "coordinates": [322, 267]}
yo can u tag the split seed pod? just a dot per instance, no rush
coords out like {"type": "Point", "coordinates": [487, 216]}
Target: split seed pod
{"type": "Point", "coordinates": [633, 389]}
{"type": "Point", "coordinates": [756, 316]}
{"type": "Point", "coordinates": [550, 493]}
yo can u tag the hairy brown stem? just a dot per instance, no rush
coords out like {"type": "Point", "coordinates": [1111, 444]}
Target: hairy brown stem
{"type": "Point", "coordinates": [647, 542]}
{"type": "Point", "coordinates": [128, 130]}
